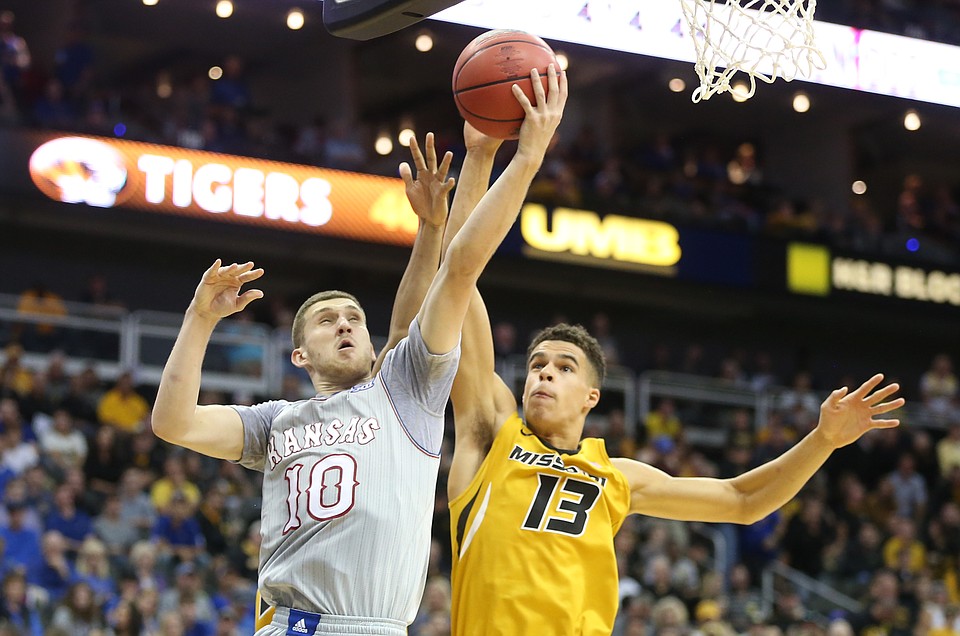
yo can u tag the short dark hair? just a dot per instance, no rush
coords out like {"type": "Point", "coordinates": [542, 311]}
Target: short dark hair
{"type": "Point", "coordinates": [301, 317]}
{"type": "Point", "coordinates": [576, 335]}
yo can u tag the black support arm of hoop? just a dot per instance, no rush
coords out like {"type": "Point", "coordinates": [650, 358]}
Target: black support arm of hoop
{"type": "Point", "coordinates": [367, 19]}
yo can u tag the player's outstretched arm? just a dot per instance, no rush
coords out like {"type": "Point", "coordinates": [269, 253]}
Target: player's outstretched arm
{"type": "Point", "coordinates": [747, 498]}
{"type": "Point", "coordinates": [481, 401]}
{"type": "Point", "coordinates": [445, 306]}
{"type": "Point", "coordinates": [212, 430]}
{"type": "Point", "coordinates": [428, 194]}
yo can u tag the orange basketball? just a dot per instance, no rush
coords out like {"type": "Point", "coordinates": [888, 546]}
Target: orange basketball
{"type": "Point", "coordinates": [485, 72]}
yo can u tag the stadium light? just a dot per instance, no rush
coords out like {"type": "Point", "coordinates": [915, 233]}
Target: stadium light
{"type": "Point", "coordinates": [295, 20]}
{"type": "Point", "coordinates": [424, 42]}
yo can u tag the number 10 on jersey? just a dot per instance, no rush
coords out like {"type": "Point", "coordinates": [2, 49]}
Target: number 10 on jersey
{"type": "Point", "coordinates": [325, 490]}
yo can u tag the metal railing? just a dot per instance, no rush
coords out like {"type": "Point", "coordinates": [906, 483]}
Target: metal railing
{"type": "Point", "coordinates": [241, 357]}
{"type": "Point", "coordinates": [819, 599]}
{"type": "Point", "coordinates": [700, 389]}
{"type": "Point", "coordinates": [254, 359]}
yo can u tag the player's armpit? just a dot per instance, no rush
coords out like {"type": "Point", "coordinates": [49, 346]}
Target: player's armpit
{"type": "Point", "coordinates": [470, 449]}
{"type": "Point", "coordinates": [477, 423]}
{"type": "Point", "coordinates": [478, 393]}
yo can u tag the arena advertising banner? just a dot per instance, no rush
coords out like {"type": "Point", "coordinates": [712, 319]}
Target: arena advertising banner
{"type": "Point", "coordinates": [116, 173]}
{"type": "Point", "coordinates": [627, 241]}
{"type": "Point", "coordinates": [813, 270]}
{"type": "Point", "coordinates": [108, 173]}
{"type": "Point", "coordinates": [141, 177]}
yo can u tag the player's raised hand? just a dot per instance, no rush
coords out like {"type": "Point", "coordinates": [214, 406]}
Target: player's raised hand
{"type": "Point", "coordinates": [428, 192]}
{"type": "Point", "coordinates": [543, 116]}
{"type": "Point", "coordinates": [845, 415]}
{"type": "Point", "coordinates": [218, 294]}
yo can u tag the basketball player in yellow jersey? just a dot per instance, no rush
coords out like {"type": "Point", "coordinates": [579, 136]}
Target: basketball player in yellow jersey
{"type": "Point", "coordinates": [262, 613]}
{"type": "Point", "coordinates": [534, 508]}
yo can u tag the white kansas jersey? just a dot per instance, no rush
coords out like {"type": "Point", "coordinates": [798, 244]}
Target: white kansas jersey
{"type": "Point", "coordinates": [348, 488]}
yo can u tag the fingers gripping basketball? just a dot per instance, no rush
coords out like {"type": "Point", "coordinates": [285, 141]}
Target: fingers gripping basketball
{"type": "Point", "coordinates": [485, 72]}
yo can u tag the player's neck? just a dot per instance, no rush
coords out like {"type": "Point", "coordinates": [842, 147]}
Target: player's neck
{"type": "Point", "coordinates": [329, 386]}
{"type": "Point", "coordinates": [559, 438]}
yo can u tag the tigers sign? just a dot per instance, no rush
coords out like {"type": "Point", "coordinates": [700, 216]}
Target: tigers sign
{"type": "Point", "coordinates": [117, 173]}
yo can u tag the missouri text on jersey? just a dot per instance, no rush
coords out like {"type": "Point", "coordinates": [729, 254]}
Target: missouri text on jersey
{"type": "Point", "coordinates": [550, 460]}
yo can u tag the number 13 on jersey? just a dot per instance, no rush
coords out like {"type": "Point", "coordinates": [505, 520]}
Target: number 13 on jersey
{"type": "Point", "coordinates": [561, 504]}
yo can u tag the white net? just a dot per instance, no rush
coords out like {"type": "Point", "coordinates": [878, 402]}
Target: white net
{"type": "Point", "coordinates": [765, 39]}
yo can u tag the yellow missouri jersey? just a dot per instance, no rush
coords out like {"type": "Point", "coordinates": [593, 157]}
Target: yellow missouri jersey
{"type": "Point", "coordinates": [263, 613]}
{"type": "Point", "coordinates": [533, 540]}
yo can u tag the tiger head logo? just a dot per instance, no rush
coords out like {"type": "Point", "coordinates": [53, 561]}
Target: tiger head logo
{"type": "Point", "coordinates": [79, 170]}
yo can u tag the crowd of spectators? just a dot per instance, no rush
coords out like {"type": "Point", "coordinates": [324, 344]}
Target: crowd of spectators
{"type": "Point", "coordinates": [106, 530]}
{"type": "Point", "coordinates": [937, 20]}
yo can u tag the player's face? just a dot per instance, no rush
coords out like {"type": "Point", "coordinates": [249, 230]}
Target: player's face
{"type": "Point", "coordinates": [336, 344]}
{"type": "Point", "coordinates": [559, 390]}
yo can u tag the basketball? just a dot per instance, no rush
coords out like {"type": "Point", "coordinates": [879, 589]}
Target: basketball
{"type": "Point", "coordinates": [485, 72]}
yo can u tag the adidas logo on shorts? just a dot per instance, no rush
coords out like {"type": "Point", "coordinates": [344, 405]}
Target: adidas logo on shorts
{"type": "Point", "coordinates": [300, 623]}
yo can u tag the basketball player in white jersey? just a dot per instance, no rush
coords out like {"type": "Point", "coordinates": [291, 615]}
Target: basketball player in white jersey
{"type": "Point", "coordinates": [350, 475]}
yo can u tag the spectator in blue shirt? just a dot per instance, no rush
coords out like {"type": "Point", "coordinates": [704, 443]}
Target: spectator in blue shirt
{"type": "Point", "coordinates": [231, 90]}
{"type": "Point", "coordinates": [15, 610]}
{"type": "Point", "coordinates": [74, 524]}
{"type": "Point", "coordinates": [74, 64]}
{"type": "Point", "coordinates": [54, 572]}
{"type": "Point", "coordinates": [93, 568]}
{"type": "Point", "coordinates": [22, 542]}
{"type": "Point", "coordinates": [178, 532]}
{"type": "Point", "coordinates": [909, 488]}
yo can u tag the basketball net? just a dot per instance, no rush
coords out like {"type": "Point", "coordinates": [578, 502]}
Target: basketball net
{"type": "Point", "coordinates": [765, 39]}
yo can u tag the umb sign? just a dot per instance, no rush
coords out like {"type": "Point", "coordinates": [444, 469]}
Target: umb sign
{"type": "Point", "coordinates": [110, 173]}
{"type": "Point", "coordinates": [583, 237]}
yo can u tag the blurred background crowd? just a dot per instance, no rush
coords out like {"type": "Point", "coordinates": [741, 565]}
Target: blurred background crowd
{"type": "Point", "coordinates": [105, 530]}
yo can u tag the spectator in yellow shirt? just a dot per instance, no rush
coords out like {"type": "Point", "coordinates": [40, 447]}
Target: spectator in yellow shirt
{"type": "Point", "coordinates": [173, 482]}
{"type": "Point", "coordinates": [122, 406]}
{"type": "Point", "coordinates": [664, 421]}
{"type": "Point", "coordinates": [948, 450]}
{"type": "Point", "coordinates": [903, 552]}
{"type": "Point", "coordinates": [13, 375]}
{"type": "Point", "coordinates": [35, 301]}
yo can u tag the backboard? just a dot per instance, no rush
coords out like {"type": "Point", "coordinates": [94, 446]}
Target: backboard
{"type": "Point", "coordinates": [367, 19]}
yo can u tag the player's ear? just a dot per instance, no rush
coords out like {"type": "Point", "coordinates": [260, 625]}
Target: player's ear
{"type": "Point", "coordinates": [593, 398]}
{"type": "Point", "coordinates": [299, 358]}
